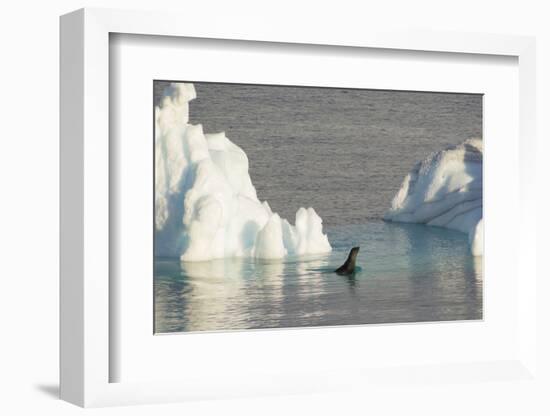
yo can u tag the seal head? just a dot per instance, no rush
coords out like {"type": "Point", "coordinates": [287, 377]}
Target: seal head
{"type": "Point", "coordinates": [349, 266]}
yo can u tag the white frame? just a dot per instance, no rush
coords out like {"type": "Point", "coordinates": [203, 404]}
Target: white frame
{"type": "Point", "coordinates": [85, 186]}
{"type": "Point", "coordinates": [135, 63]}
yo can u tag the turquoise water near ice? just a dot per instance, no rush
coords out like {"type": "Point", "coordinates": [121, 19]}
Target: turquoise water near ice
{"type": "Point", "coordinates": [408, 273]}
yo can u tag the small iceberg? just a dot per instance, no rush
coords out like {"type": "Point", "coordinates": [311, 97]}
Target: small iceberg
{"type": "Point", "coordinates": [206, 206]}
{"type": "Point", "coordinates": [445, 190]}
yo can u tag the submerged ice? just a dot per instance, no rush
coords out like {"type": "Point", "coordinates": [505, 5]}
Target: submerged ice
{"type": "Point", "coordinates": [446, 190]}
{"type": "Point", "coordinates": [206, 206]}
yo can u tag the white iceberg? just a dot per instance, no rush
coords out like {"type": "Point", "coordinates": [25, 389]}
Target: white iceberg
{"type": "Point", "coordinates": [206, 206]}
{"type": "Point", "coordinates": [476, 239]}
{"type": "Point", "coordinates": [445, 190]}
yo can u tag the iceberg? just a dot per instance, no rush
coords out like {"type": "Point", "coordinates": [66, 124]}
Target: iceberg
{"type": "Point", "coordinates": [206, 206]}
{"type": "Point", "coordinates": [445, 190]}
{"type": "Point", "coordinates": [476, 239]}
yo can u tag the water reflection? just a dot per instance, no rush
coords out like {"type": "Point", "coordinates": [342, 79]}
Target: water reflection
{"type": "Point", "coordinates": [442, 289]}
{"type": "Point", "coordinates": [213, 287]}
{"type": "Point", "coordinates": [406, 273]}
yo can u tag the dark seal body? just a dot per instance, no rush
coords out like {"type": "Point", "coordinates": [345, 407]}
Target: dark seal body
{"type": "Point", "coordinates": [349, 266]}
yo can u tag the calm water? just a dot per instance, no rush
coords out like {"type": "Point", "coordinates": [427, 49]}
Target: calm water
{"type": "Point", "coordinates": [344, 152]}
{"type": "Point", "coordinates": [409, 273]}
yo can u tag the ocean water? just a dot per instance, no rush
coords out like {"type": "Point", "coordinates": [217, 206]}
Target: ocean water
{"type": "Point", "coordinates": [409, 273]}
{"type": "Point", "coordinates": [344, 152]}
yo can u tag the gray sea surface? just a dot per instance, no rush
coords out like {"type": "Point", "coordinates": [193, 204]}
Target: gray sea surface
{"type": "Point", "coordinates": [345, 153]}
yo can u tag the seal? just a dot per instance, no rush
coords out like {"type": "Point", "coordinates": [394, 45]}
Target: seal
{"type": "Point", "coordinates": [349, 266]}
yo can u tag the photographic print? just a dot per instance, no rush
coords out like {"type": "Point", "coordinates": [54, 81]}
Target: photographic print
{"type": "Point", "coordinates": [292, 206]}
